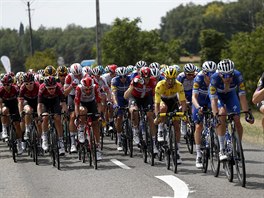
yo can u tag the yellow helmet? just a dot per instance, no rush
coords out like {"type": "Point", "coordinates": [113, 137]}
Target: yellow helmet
{"type": "Point", "coordinates": [49, 71]}
{"type": "Point", "coordinates": [163, 66]}
{"type": "Point", "coordinates": [170, 72]}
{"type": "Point", "coordinates": [62, 70]}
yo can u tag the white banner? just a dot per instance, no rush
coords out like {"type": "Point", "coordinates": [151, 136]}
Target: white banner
{"type": "Point", "coordinates": [6, 63]}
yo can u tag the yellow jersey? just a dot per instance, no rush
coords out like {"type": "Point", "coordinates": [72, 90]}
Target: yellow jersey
{"type": "Point", "coordinates": [163, 92]}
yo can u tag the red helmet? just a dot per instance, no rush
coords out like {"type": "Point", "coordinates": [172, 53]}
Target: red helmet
{"type": "Point", "coordinates": [145, 72]}
{"type": "Point", "coordinates": [50, 81]}
{"type": "Point", "coordinates": [87, 82]}
{"type": "Point", "coordinates": [7, 79]}
{"type": "Point", "coordinates": [112, 68]}
{"type": "Point", "coordinates": [28, 77]}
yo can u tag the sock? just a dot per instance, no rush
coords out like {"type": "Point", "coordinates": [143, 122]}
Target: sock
{"type": "Point", "coordinates": [198, 150]}
{"type": "Point", "coordinates": [178, 151]}
{"type": "Point", "coordinates": [221, 142]}
{"type": "Point", "coordinates": [160, 127]}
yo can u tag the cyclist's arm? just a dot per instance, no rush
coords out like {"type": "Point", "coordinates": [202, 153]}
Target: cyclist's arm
{"type": "Point", "coordinates": [258, 96]}
{"type": "Point", "coordinates": [243, 102]}
{"type": "Point", "coordinates": [1, 105]}
{"type": "Point", "coordinates": [40, 108]}
{"type": "Point", "coordinates": [195, 100]}
{"type": "Point", "coordinates": [128, 92]}
{"type": "Point", "coordinates": [20, 104]}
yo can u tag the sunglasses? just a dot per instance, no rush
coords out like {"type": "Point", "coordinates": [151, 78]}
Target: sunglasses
{"type": "Point", "coordinates": [5, 85]}
{"type": "Point", "coordinates": [209, 74]}
{"type": "Point", "coordinates": [31, 83]}
{"type": "Point", "coordinates": [51, 88]}
{"type": "Point", "coordinates": [62, 75]}
{"type": "Point", "coordinates": [88, 88]}
{"type": "Point", "coordinates": [190, 74]}
{"type": "Point", "coordinates": [225, 76]}
{"type": "Point", "coordinates": [123, 76]}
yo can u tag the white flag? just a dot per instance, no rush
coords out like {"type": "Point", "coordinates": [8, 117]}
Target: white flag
{"type": "Point", "coordinates": [6, 63]}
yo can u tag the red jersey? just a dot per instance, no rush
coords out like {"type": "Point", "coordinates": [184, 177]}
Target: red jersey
{"type": "Point", "coordinates": [9, 95]}
{"type": "Point", "coordinates": [142, 90]}
{"type": "Point", "coordinates": [44, 93]}
{"type": "Point", "coordinates": [25, 93]}
{"type": "Point", "coordinates": [81, 96]}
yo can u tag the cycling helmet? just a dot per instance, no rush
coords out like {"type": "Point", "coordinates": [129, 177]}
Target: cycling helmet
{"type": "Point", "coordinates": [189, 68]}
{"type": "Point", "coordinates": [155, 72]}
{"type": "Point", "coordinates": [87, 82]}
{"type": "Point", "coordinates": [130, 68]}
{"type": "Point", "coordinates": [209, 66]}
{"type": "Point", "coordinates": [112, 68]}
{"type": "Point", "coordinates": [50, 81]}
{"type": "Point", "coordinates": [225, 66]}
{"type": "Point", "coordinates": [170, 72]}
{"type": "Point", "coordinates": [121, 71]}
{"type": "Point", "coordinates": [41, 72]}
{"type": "Point", "coordinates": [62, 70]}
{"type": "Point", "coordinates": [96, 71]}
{"type": "Point", "coordinates": [76, 69]}
{"type": "Point", "coordinates": [101, 68]}
{"type": "Point", "coordinates": [86, 70]}
{"type": "Point", "coordinates": [141, 64]}
{"type": "Point", "coordinates": [49, 71]}
{"type": "Point", "coordinates": [145, 72]}
{"type": "Point", "coordinates": [154, 65]}
{"type": "Point", "coordinates": [177, 67]}
{"type": "Point", "coordinates": [28, 77]}
{"type": "Point", "coordinates": [7, 79]}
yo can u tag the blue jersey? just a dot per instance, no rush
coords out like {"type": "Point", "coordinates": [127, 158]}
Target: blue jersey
{"type": "Point", "coordinates": [200, 88]}
{"type": "Point", "coordinates": [187, 85]}
{"type": "Point", "coordinates": [119, 88]}
{"type": "Point", "coordinates": [133, 75]}
{"type": "Point", "coordinates": [227, 94]}
{"type": "Point", "coordinates": [217, 86]}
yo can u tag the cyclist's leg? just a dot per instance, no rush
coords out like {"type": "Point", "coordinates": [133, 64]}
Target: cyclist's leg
{"type": "Point", "coordinates": [4, 120]}
{"type": "Point", "coordinates": [72, 127]}
{"type": "Point", "coordinates": [133, 107]}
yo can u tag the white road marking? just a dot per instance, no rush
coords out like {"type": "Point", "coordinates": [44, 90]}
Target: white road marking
{"type": "Point", "coordinates": [179, 187]}
{"type": "Point", "coordinates": [120, 164]}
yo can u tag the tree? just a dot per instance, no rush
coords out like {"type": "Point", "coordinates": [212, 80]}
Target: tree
{"type": "Point", "coordinates": [41, 59]}
{"type": "Point", "coordinates": [212, 42]}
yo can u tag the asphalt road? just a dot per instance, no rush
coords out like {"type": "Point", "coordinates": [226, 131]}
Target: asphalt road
{"type": "Point", "coordinates": [133, 178]}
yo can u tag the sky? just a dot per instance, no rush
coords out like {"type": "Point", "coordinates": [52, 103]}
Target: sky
{"type": "Point", "coordinates": [60, 13]}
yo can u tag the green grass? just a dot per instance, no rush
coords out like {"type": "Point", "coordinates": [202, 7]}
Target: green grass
{"type": "Point", "coordinates": [253, 133]}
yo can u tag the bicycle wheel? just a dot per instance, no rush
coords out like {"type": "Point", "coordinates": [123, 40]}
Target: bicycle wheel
{"type": "Point", "coordinates": [67, 137]}
{"type": "Point", "coordinates": [101, 135]}
{"type": "Point", "coordinates": [34, 144]}
{"type": "Point", "coordinates": [93, 149]}
{"type": "Point", "coordinates": [239, 160]}
{"type": "Point", "coordinates": [205, 159]}
{"type": "Point", "coordinates": [149, 145]}
{"type": "Point", "coordinates": [56, 148]}
{"type": "Point", "coordinates": [174, 152]}
{"type": "Point", "coordinates": [190, 137]}
{"type": "Point", "coordinates": [129, 135]}
{"type": "Point", "coordinates": [168, 149]}
{"type": "Point", "coordinates": [214, 153]}
{"type": "Point", "coordinates": [13, 142]}
{"type": "Point", "coordinates": [228, 164]}
{"type": "Point", "coordinates": [124, 138]}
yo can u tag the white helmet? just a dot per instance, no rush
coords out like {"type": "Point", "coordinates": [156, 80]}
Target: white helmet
{"type": "Point", "coordinates": [121, 71]}
{"type": "Point", "coordinates": [141, 64]}
{"type": "Point", "coordinates": [155, 72]}
{"type": "Point", "coordinates": [225, 66]}
{"type": "Point", "coordinates": [154, 65]}
{"type": "Point", "coordinates": [189, 68]}
{"type": "Point", "coordinates": [76, 69]}
{"type": "Point", "coordinates": [177, 67]}
{"type": "Point", "coordinates": [209, 66]}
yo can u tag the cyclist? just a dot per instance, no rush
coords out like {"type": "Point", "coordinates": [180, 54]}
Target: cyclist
{"type": "Point", "coordinates": [87, 100]}
{"type": "Point", "coordinates": [258, 96]}
{"type": "Point", "coordinates": [168, 94]}
{"type": "Point", "coordinates": [51, 100]}
{"type": "Point", "coordinates": [28, 100]}
{"type": "Point", "coordinates": [200, 100]}
{"type": "Point", "coordinates": [138, 66]}
{"type": "Point", "coordinates": [186, 78]}
{"type": "Point", "coordinates": [140, 94]}
{"type": "Point", "coordinates": [62, 72]}
{"type": "Point", "coordinates": [119, 85]}
{"type": "Point", "coordinates": [9, 105]}
{"type": "Point", "coordinates": [72, 80]}
{"type": "Point", "coordinates": [155, 72]}
{"type": "Point", "coordinates": [224, 99]}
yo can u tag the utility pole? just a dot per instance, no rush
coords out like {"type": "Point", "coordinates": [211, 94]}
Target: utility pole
{"type": "Point", "coordinates": [30, 30]}
{"type": "Point", "coordinates": [98, 34]}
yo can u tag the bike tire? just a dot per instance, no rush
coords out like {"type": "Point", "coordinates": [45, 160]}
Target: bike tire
{"type": "Point", "coordinates": [190, 138]}
{"type": "Point", "coordinates": [56, 149]}
{"type": "Point", "coordinates": [174, 152]}
{"type": "Point", "coordinates": [205, 159]}
{"type": "Point", "coordinates": [214, 153]}
{"type": "Point", "coordinates": [35, 144]}
{"type": "Point", "coordinates": [93, 149]}
{"type": "Point", "coordinates": [239, 160]}
{"type": "Point", "coordinates": [13, 143]}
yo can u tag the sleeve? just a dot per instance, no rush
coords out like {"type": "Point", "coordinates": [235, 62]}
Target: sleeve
{"type": "Point", "coordinates": [78, 93]}
{"type": "Point", "coordinates": [21, 92]}
{"type": "Point", "coordinates": [158, 93]}
{"type": "Point", "coordinates": [40, 94]}
{"type": "Point", "coordinates": [68, 80]}
{"type": "Point", "coordinates": [97, 94]}
{"type": "Point", "coordinates": [114, 85]}
{"type": "Point", "coordinates": [181, 93]}
{"type": "Point", "coordinates": [196, 84]}
{"type": "Point", "coordinates": [213, 88]}
{"type": "Point", "coordinates": [241, 84]}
